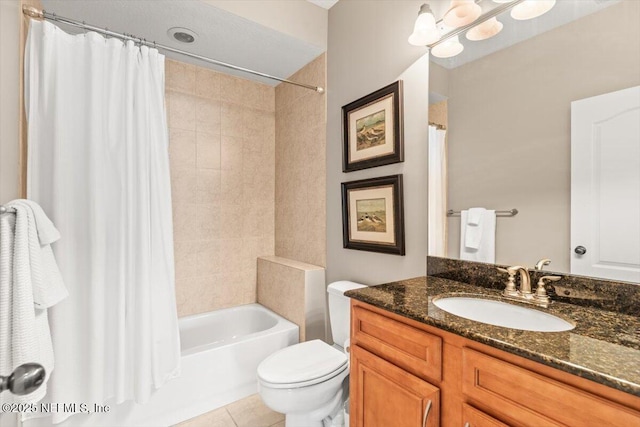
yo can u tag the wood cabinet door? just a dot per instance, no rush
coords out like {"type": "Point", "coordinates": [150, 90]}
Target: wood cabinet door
{"type": "Point", "coordinates": [384, 395]}
{"type": "Point", "coordinates": [475, 418]}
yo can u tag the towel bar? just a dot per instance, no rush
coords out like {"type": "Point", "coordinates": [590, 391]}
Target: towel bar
{"type": "Point", "coordinates": [510, 212]}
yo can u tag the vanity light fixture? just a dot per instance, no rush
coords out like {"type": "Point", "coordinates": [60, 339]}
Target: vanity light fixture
{"type": "Point", "coordinates": [424, 31]}
{"type": "Point", "coordinates": [485, 30]}
{"type": "Point", "coordinates": [462, 12]}
{"type": "Point", "coordinates": [530, 9]}
{"type": "Point", "coordinates": [448, 49]}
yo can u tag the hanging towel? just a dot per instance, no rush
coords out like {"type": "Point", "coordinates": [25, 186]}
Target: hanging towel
{"type": "Point", "coordinates": [29, 283]}
{"type": "Point", "coordinates": [474, 228]}
{"type": "Point", "coordinates": [482, 235]}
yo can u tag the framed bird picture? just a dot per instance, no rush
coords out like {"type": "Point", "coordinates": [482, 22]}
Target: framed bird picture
{"type": "Point", "coordinates": [372, 134]}
{"type": "Point", "coordinates": [373, 215]}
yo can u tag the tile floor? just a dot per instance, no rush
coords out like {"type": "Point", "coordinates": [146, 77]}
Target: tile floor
{"type": "Point", "coordinates": [248, 412]}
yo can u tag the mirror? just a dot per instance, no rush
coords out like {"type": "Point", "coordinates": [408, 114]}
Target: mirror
{"type": "Point", "coordinates": [508, 120]}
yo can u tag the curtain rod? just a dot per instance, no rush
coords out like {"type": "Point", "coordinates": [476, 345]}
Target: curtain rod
{"type": "Point", "coordinates": [33, 12]}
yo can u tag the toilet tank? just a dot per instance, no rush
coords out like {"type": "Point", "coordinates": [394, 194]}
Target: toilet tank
{"type": "Point", "coordinates": [339, 309]}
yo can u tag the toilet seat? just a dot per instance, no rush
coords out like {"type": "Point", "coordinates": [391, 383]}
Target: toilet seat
{"type": "Point", "coordinates": [302, 365]}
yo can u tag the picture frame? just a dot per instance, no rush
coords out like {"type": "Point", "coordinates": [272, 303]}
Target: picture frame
{"type": "Point", "coordinates": [373, 129]}
{"type": "Point", "coordinates": [373, 215]}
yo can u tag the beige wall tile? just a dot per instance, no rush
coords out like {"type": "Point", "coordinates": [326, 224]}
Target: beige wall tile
{"type": "Point", "coordinates": [208, 155]}
{"type": "Point", "coordinates": [224, 214]}
{"type": "Point", "coordinates": [208, 186]}
{"type": "Point", "coordinates": [300, 179]}
{"type": "Point", "coordinates": [208, 115]}
{"type": "Point", "coordinates": [183, 185]}
{"type": "Point", "coordinates": [182, 149]}
{"type": "Point", "coordinates": [180, 77]}
{"type": "Point", "coordinates": [182, 110]}
{"type": "Point", "coordinates": [207, 83]}
{"type": "Point", "coordinates": [231, 148]}
{"type": "Point", "coordinates": [184, 226]}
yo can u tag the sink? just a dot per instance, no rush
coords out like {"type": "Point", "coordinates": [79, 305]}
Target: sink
{"type": "Point", "coordinates": [502, 314]}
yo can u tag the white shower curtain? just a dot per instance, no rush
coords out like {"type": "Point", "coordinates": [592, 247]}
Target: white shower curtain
{"type": "Point", "coordinates": [98, 164]}
{"type": "Point", "coordinates": [437, 227]}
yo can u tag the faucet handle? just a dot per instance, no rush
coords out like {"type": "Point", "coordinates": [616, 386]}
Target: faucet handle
{"type": "Point", "coordinates": [541, 292]}
{"type": "Point", "coordinates": [541, 263]}
{"type": "Point", "coordinates": [510, 289]}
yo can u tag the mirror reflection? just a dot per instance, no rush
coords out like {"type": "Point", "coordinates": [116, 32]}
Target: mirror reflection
{"type": "Point", "coordinates": [532, 126]}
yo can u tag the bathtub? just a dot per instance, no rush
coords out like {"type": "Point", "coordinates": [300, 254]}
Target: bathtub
{"type": "Point", "coordinates": [221, 351]}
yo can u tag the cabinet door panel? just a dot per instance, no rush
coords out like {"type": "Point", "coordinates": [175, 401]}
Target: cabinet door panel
{"type": "Point", "coordinates": [475, 418]}
{"type": "Point", "coordinates": [413, 350]}
{"type": "Point", "coordinates": [532, 399]}
{"type": "Point", "coordinates": [383, 395]}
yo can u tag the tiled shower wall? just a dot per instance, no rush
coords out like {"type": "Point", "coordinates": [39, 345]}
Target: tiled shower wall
{"type": "Point", "coordinates": [301, 167]}
{"type": "Point", "coordinates": [222, 152]}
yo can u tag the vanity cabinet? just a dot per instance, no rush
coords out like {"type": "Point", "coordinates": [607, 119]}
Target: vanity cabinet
{"type": "Point", "coordinates": [380, 386]}
{"type": "Point", "coordinates": [398, 365]}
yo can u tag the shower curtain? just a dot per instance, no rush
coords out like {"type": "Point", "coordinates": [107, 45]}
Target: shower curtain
{"type": "Point", "coordinates": [98, 164]}
{"type": "Point", "coordinates": [437, 227]}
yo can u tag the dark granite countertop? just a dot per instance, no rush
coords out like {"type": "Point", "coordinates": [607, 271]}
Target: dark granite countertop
{"type": "Point", "coordinates": [604, 346]}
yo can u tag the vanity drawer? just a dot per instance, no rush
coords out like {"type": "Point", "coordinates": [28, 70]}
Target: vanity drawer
{"type": "Point", "coordinates": [410, 348]}
{"type": "Point", "coordinates": [527, 398]}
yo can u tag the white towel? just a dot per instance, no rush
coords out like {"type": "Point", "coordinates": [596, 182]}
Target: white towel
{"type": "Point", "coordinates": [486, 250]}
{"type": "Point", "coordinates": [27, 272]}
{"type": "Point", "coordinates": [473, 231]}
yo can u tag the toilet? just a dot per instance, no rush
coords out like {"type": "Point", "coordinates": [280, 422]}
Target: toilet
{"type": "Point", "coordinates": [309, 382]}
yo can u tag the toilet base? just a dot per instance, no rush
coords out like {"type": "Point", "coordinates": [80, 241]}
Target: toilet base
{"type": "Point", "coordinates": [321, 417]}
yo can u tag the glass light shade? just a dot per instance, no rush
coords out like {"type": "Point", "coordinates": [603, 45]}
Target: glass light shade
{"type": "Point", "coordinates": [530, 9]}
{"type": "Point", "coordinates": [461, 12]}
{"type": "Point", "coordinates": [485, 30]}
{"type": "Point", "coordinates": [502, 1]}
{"type": "Point", "coordinates": [424, 30]}
{"type": "Point", "coordinates": [451, 47]}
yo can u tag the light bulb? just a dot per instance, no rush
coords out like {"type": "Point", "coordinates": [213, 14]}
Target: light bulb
{"type": "Point", "coordinates": [424, 30]}
{"type": "Point", "coordinates": [461, 12]}
{"type": "Point", "coordinates": [449, 48]}
{"type": "Point", "coordinates": [530, 9]}
{"type": "Point", "coordinates": [485, 30]}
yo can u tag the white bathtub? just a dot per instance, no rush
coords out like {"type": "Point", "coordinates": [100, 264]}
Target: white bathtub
{"type": "Point", "coordinates": [221, 351]}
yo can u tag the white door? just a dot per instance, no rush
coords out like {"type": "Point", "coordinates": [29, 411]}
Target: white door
{"type": "Point", "coordinates": [605, 186]}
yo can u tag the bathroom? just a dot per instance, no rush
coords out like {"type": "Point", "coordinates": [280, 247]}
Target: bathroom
{"type": "Point", "coordinates": [250, 171]}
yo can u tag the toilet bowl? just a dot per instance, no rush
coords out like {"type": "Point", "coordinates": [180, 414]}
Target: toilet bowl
{"type": "Point", "coordinates": [309, 382]}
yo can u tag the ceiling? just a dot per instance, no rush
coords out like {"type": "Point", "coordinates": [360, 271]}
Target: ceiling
{"type": "Point", "coordinates": [222, 35]}
{"type": "Point", "coordinates": [515, 31]}
{"type": "Point", "coordinates": [324, 3]}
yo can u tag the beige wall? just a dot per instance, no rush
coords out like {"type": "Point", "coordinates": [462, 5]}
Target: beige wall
{"type": "Point", "coordinates": [509, 128]}
{"type": "Point", "coordinates": [368, 50]}
{"type": "Point", "coordinates": [222, 133]}
{"type": "Point", "coordinates": [301, 167]}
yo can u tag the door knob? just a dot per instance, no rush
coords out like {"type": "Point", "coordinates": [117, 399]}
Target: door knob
{"type": "Point", "coordinates": [24, 379]}
{"type": "Point", "coordinates": [580, 250]}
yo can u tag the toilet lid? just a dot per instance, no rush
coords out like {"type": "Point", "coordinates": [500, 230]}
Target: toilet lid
{"type": "Point", "coordinates": [302, 363]}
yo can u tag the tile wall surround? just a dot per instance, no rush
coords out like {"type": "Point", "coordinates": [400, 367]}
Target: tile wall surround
{"type": "Point", "coordinates": [622, 297]}
{"type": "Point", "coordinates": [300, 200]}
{"type": "Point", "coordinates": [296, 291]}
{"type": "Point", "coordinates": [222, 154]}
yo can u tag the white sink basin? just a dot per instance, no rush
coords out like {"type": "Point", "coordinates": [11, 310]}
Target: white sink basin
{"type": "Point", "coordinates": [502, 314]}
